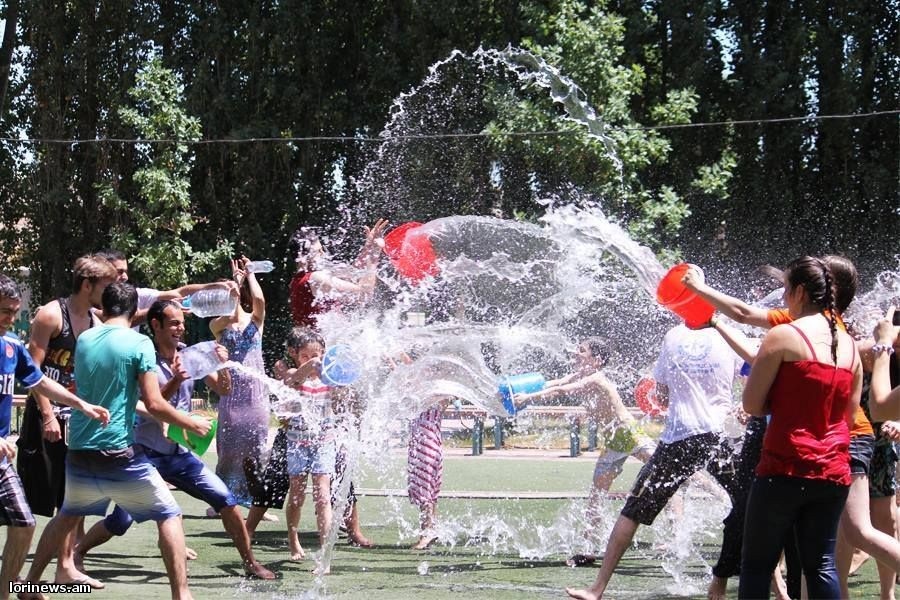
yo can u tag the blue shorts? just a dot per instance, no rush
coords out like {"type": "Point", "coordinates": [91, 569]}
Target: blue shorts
{"type": "Point", "coordinates": [317, 459]}
{"type": "Point", "coordinates": [187, 473]}
{"type": "Point", "coordinates": [94, 478]}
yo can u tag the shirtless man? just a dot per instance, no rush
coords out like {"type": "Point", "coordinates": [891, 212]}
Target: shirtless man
{"type": "Point", "coordinates": [621, 434]}
{"type": "Point", "coordinates": [54, 331]}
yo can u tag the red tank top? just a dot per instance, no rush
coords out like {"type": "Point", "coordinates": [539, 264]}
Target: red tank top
{"type": "Point", "coordinates": [808, 435]}
{"type": "Point", "coordinates": [305, 307]}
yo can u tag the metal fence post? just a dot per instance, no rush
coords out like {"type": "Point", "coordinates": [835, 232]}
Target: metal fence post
{"type": "Point", "coordinates": [478, 436]}
{"type": "Point", "coordinates": [575, 437]}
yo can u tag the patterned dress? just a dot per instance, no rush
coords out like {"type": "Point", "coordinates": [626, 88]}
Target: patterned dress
{"type": "Point", "coordinates": [244, 413]}
{"type": "Point", "coordinates": [425, 458]}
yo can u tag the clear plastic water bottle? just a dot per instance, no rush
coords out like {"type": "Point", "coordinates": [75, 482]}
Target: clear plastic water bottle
{"type": "Point", "coordinates": [211, 302]}
{"type": "Point", "coordinates": [260, 266]}
{"type": "Point", "coordinates": [200, 360]}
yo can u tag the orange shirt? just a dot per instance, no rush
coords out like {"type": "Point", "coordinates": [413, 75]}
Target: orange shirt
{"type": "Point", "coordinates": [861, 424]}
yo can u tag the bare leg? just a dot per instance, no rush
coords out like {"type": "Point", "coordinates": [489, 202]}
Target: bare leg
{"type": "Point", "coordinates": [66, 572]}
{"type": "Point", "coordinates": [18, 539]}
{"type": "Point", "coordinates": [619, 540]}
{"type": "Point", "coordinates": [354, 532]}
{"type": "Point", "coordinates": [97, 535]}
{"type": "Point", "coordinates": [171, 542]}
{"type": "Point", "coordinates": [324, 516]}
{"type": "Point", "coordinates": [856, 531]}
{"type": "Point", "coordinates": [426, 527]}
{"type": "Point", "coordinates": [234, 525]}
{"type": "Point", "coordinates": [296, 495]}
{"type": "Point", "coordinates": [254, 516]}
{"type": "Point", "coordinates": [51, 539]}
{"type": "Point", "coordinates": [881, 511]}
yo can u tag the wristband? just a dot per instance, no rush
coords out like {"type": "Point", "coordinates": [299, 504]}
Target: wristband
{"type": "Point", "coordinates": [713, 321]}
{"type": "Point", "coordinates": [886, 348]}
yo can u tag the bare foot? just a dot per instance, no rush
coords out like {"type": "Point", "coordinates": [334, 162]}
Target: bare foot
{"type": "Point", "coordinates": [424, 542]}
{"type": "Point", "coordinates": [190, 553]}
{"type": "Point", "coordinates": [359, 540]}
{"type": "Point", "coordinates": [582, 594]}
{"type": "Point", "coordinates": [716, 589]}
{"type": "Point", "coordinates": [212, 513]}
{"type": "Point", "coordinates": [255, 569]}
{"type": "Point", "coordinates": [80, 578]}
{"type": "Point", "coordinates": [267, 516]}
{"type": "Point", "coordinates": [297, 552]}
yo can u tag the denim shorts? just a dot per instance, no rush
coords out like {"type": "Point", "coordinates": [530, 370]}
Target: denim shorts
{"type": "Point", "coordinates": [317, 459]}
{"type": "Point", "coordinates": [861, 447]}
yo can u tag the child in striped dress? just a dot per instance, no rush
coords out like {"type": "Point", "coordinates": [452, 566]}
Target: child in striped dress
{"type": "Point", "coordinates": [425, 469]}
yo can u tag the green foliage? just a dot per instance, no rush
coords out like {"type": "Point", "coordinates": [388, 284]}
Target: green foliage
{"type": "Point", "coordinates": [586, 43]}
{"type": "Point", "coordinates": [152, 226]}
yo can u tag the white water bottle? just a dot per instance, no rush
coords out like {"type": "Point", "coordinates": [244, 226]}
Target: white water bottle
{"type": "Point", "coordinates": [200, 360]}
{"type": "Point", "coordinates": [212, 302]}
{"type": "Point", "coordinates": [260, 266]}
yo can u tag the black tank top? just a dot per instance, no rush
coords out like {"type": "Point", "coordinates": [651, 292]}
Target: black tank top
{"type": "Point", "coordinates": [59, 362]}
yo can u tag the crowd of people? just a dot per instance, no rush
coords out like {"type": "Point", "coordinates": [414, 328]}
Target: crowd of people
{"type": "Point", "coordinates": [812, 480]}
{"type": "Point", "coordinates": [801, 482]}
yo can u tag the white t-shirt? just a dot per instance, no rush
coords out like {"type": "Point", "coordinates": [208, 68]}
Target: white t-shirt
{"type": "Point", "coordinates": [699, 369]}
{"type": "Point", "coordinates": [146, 298]}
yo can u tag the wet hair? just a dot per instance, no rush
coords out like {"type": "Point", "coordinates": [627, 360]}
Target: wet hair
{"type": "Point", "coordinates": [301, 243]}
{"type": "Point", "coordinates": [119, 298]}
{"type": "Point", "coordinates": [300, 337]}
{"type": "Point", "coordinates": [93, 268]}
{"type": "Point", "coordinates": [815, 276]}
{"type": "Point", "coordinates": [846, 280]}
{"type": "Point", "coordinates": [110, 254]}
{"type": "Point", "coordinates": [9, 290]}
{"type": "Point", "coordinates": [157, 310]}
{"type": "Point", "coordinates": [598, 348]}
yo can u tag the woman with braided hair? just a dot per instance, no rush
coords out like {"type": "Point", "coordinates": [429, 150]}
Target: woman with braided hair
{"type": "Point", "coordinates": [807, 376]}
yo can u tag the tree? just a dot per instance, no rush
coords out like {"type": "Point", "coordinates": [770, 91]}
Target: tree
{"type": "Point", "coordinates": [151, 225]}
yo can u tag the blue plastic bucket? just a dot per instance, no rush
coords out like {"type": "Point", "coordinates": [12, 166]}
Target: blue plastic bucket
{"type": "Point", "coordinates": [340, 366]}
{"type": "Point", "coordinates": [519, 384]}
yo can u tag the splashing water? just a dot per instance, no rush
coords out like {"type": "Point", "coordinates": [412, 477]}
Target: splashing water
{"type": "Point", "coordinates": [510, 297]}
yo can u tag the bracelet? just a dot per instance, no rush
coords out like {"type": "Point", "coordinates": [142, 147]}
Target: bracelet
{"type": "Point", "coordinates": [886, 348]}
{"type": "Point", "coordinates": [713, 321]}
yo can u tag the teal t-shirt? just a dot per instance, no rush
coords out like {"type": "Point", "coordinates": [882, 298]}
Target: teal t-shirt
{"type": "Point", "coordinates": [108, 360]}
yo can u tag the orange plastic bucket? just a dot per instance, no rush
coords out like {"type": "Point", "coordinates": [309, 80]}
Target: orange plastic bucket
{"type": "Point", "coordinates": [410, 252]}
{"type": "Point", "coordinates": [672, 294]}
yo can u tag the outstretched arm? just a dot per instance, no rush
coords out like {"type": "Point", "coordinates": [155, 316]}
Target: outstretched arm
{"type": "Point", "coordinates": [53, 390]}
{"type": "Point", "coordinates": [740, 343]}
{"type": "Point", "coordinates": [735, 309]}
{"type": "Point", "coordinates": [555, 391]}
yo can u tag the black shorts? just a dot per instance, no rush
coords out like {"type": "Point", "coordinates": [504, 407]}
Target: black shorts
{"type": "Point", "coordinates": [14, 509]}
{"type": "Point", "coordinates": [671, 465]}
{"type": "Point", "coordinates": [861, 447]}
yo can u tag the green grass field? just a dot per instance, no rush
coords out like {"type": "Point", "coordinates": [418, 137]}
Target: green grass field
{"type": "Point", "coordinates": [131, 567]}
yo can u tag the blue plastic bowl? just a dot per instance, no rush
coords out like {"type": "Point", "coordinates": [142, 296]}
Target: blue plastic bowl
{"type": "Point", "coordinates": [340, 366]}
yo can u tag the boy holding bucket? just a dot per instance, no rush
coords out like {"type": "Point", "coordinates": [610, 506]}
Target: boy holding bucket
{"type": "Point", "coordinates": [621, 434]}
